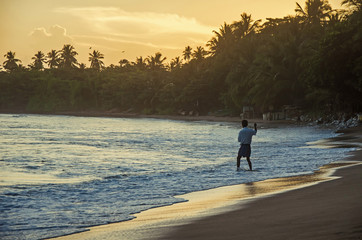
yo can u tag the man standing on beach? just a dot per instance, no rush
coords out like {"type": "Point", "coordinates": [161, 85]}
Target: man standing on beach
{"type": "Point", "coordinates": [245, 136]}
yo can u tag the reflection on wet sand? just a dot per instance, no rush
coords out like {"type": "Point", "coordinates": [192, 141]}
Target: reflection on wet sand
{"type": "Point", "coordinates": [287, 183]}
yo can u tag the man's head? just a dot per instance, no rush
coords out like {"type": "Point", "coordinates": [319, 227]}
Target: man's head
{"type": "Point", "coordinates": [244, 123]}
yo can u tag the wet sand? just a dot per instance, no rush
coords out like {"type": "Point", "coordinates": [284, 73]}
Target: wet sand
{"type": "Point", "coordinates": [324, 205]}
{"type": "Point", "coordinates": [328, 210]}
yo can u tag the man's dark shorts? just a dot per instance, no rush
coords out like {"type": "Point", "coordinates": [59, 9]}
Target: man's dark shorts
{"type": "Point", "coordinates": [244, 150]}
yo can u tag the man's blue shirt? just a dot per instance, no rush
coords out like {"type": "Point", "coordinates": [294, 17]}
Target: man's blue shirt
{"type": "Point", "coordinates": [245, 135]}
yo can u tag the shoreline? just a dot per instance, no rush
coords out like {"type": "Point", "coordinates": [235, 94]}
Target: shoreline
{"type": "Point", "coordinates": [174, 221]}
{"type": "Point", "coordinates": [210, 118]}
{"type": "Point", "coordinates": [168, 221]}
{"type": "Point", "coordinates": [324, 210]}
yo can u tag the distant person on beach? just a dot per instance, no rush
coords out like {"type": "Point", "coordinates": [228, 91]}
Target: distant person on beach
{"type": "Point", "coordinates": [245, 136]}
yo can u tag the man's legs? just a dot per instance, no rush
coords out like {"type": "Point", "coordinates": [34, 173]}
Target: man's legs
{"type": "Point", "coordinates": [249, 162]}
{"type": "Point", "coordinates": [238, 162]}
{"type": "Point", "coordinates": [247, 159]}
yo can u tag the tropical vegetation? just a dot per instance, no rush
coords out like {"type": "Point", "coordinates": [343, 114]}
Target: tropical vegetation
{"type": "Point", "coordinates": [312, 60]}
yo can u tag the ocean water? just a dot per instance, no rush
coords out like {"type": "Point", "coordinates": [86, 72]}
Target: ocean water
{"type": "Point", "coordinates": [60, 174]}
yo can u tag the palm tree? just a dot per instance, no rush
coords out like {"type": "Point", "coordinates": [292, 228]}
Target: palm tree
{"type": "Point", "coordinates": [175, 63]}
{"type": "Point", "coordinates": [223, 39]}
{"type": "Point", "coordinates": [336, 17]}
{"type": "Point", "coordinates": [124, 63]}
{"type": "Point", "coordinates": [11, 63]}
{"type": "Point", "coordinates": [39, 59]}
{"type": "Point", "coordinates": [140, 63]}
{"type": "Point", "coordinates": [356, 4]}
{"type": "Point", "coordinates": [245, 26]}
{"type": "Point", "coordinates": [187, 53]}
{"type": "Point", "coordinates": [156, 62]}
{"type": "Point", "coordinates": [95, 59]}
{"type": "Point", "coordinates": [53, 59]}
{"type": "Point", "coordinates": [314, 12]}
{"type": "Point", "coordinates": [67, 57]}
{"type": "Point", "coordinates": [199, 53]}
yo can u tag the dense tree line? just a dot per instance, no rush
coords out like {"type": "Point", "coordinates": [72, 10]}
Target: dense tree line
{"type": "Point", "coordinates": [312, 60]}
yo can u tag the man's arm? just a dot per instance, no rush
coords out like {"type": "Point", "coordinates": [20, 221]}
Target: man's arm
{"type": "Point", "coordinates": [255, 127]}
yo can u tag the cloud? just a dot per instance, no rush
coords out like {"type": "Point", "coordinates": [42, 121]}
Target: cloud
{"type": "Point", "coordinates": [55, 36]}
{"type": "Point", "coordinates": [114, 42]}
{"type": "Point", "coordinates": [125, 34]}
{"type": "Point", "coordinates": [120, 34]}
{"type": "Point", "coordinates": [111, 20]}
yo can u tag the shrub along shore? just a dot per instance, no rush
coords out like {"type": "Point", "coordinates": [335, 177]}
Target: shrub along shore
{"type": "Point", "coordinates": [310, 60]}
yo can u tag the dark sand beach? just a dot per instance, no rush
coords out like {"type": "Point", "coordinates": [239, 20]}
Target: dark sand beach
{"type": "Point", "coordinates": [328, 210]}
{"type": "Point", "coordinates": [324, 205]}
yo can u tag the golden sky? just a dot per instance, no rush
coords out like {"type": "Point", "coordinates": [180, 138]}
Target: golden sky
{"type": "Point", "coordinates": [123, 28]}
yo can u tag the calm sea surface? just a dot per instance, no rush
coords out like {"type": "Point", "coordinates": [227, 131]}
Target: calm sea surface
{"type": "Point", "coordinates": [60, 174]}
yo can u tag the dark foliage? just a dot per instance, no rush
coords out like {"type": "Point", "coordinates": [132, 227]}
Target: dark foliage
{"type": "Point", "coordinates": [312, 60]}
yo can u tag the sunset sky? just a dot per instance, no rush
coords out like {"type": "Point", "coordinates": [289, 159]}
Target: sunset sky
{"type": "Point", "coordinates": [123, 28]}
